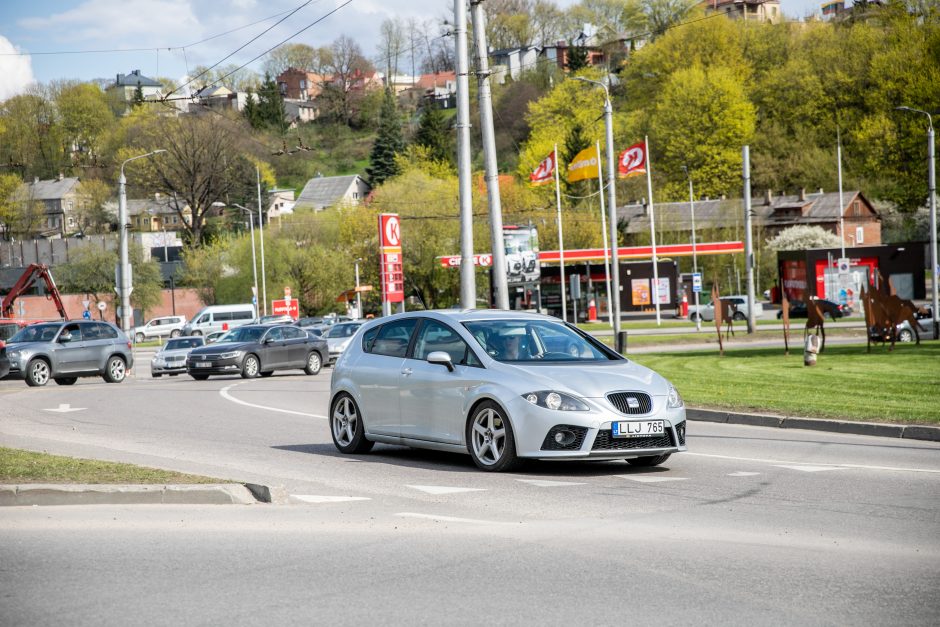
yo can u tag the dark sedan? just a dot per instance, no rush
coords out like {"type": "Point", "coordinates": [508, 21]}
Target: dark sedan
{"type": "Point", "coordinates": [258, 350]}
{"type": "Point", "coordinates": [828, 308]}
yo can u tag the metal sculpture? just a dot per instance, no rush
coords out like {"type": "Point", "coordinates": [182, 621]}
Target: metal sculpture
{"type": "Point", "coordinates": [716, 301]}
{"type": "Point", "coordinates": [883, 314]}
{"type": "Point", "coordinates": [785, 303]}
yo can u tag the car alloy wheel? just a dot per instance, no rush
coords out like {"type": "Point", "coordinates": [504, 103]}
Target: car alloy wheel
{"type": "Point", "coordinates": [139, 338]}
{"type": "Point", "coordinates": [116, 370]}
{"type": "Point", "coordinates": [905, 335]}
{"type": "Point", "coordinates": [37, 373]}
{"type": "Point", "coordinates": [346, 426]}
{"type": "Point", "coordinates": [250, 367]}
{"type": "Point", "coordinates": [490, 439]}
{"type": "Point", "coordinates": [175, 333]}
{"type": "Point", "coordinates": [314, 363]}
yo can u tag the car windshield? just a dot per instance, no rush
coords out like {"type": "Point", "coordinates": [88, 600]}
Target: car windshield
{"type": "Point", "coordinates": [37, 333]}
{"type": "Point", "coordinates": [243, 334]}
{"type": "Point", "coordinates": [535, 340]}
{"type": "Point", "coordinates": [343, 330]}
{"type": "Point", "coordinates": [182, 343]}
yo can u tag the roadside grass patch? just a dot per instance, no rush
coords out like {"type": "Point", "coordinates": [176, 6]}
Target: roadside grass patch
{"type": "Point", "coordinates": [18, 466]}
{"type": "Point", "coordinates": [902, 386]}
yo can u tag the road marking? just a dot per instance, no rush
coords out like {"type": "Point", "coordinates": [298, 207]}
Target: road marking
{"type": "Point", "coordinates": [439, 489]}
{"type": "Point", "coordinates": [314, 498]}
{"type": "Point", "coordinates": [648, 479]}
{"type": "Point", "coordinates": [777, 462]}
{"type": "Point", "coordinates": [548, 484]}
{"type": "Point", "coordinates": [224, 394]}
{"type": "Point", "coordinates": [437, 518]}
{"type": "Point", "coordinates": [810, 468]}
{"type": "Point", "coordinates": [741, 473]}
{"type": "Point", "coordinates": [65, 408]}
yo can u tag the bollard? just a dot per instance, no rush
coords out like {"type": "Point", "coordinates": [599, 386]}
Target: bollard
{"type": "Point", "coordinates": [811, 350]}
{"type": "Point", "coordinates": [622, 342]}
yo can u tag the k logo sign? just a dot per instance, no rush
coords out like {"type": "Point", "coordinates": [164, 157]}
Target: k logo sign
{"type": "Point", "coordinates": [544, 172]}
{"type": "Point", "coordinates": [632, 161]}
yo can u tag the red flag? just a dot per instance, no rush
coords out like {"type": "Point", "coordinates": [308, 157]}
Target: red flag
{"type": "Point", "coordinates": [545, 173]}
{"type": "Point", "coordinates": [632, 161]}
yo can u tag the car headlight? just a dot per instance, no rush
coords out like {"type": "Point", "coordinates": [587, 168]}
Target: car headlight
{"type": "Point", "coordinates": [555, 400]}
{"type": "Point", "coordinates": [13, 354]}
{"type": "Point", "coordinates": [673, 399]}
{"type": "Point", "coordinates": [230, 354]}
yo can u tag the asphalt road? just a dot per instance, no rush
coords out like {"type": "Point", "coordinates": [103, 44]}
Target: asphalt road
{"type": "Point", "coordinates": [753, 526]}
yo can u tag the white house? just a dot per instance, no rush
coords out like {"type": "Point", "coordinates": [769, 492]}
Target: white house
{"type": "Point", "coordinates": [330, 191]}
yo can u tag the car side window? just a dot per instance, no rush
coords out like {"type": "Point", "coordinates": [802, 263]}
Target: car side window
{"type": "Point", "coordinates": [274, 334]}
{"type": "Point", "coordinates": [74, 330]}
{"type": "Point", "coordinates": [242, 315]}
{"type": "Point", "coordinates": [291, 333]}
{"type": "Point", "coordinates": [393, 338]}
{"type": "Point", "coordinates": [203, 319]}
{"type": "Point", "coordinates": [368, 339]}
{"type": "Point", "coordinates": [106, 331]}
{"type": "Point", "coordinates": [90, 331]}
{"type": "Point", "coordinates": [435, 336]}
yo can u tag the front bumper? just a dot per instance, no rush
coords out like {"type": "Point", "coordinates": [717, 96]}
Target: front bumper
{"type": "Point", "coordinates": [215, 367]}
{"type": "Point", "coordinates": [170, 367]}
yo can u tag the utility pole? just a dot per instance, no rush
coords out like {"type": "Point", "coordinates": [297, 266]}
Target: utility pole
{"type": "Point", "coordinates": [489, 152]}
{"type": "Point", "coordinates": [264, 283]}
{"type": "Point", "coordinates": [748, 240]}
{"type": "Point", "coordinates": [468, 288]}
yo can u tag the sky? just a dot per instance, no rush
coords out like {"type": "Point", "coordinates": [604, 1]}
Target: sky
{"type": "Point", "coordinates": [165, 37]}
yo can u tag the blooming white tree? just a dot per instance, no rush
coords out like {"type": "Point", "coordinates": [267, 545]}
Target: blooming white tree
{"type": "Point", "coordinates": [802, 237]}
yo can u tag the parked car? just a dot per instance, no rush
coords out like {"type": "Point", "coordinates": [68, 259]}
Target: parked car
{"type": "Point", "coordinates": [165, 326]}
{"type": "Point", "coordinates": [219, 318]}
{"type": "Point", "coordinates": [215, 336]}
{"type": "Point", "coordinates": [707, 311]}
{"type": "Point", "coordinates": [275, 319]}
{"type": "Point", "coordinates": [66, 350]}
{"type": "Point", "coordinates": [4, 361]}
{"type": "Point", "coordinates": [171, 358]}
{"type": "Point", "coordinates": [831, 309]}
{"type": "Point", "coordinates": [256, 349]}
{"type": "Point", "coordinates": [308, 321]}
{"type": "Point", "coordinates": [904, 332]}
{"type": "Point", "coordinates": [338, 337]}
{"type": "Point", "coordinates": [485, 383]}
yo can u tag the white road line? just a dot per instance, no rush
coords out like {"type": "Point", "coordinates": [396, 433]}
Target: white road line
{"type": "Point", "coordinates": [454, 519]}
{"type": "Point", "coordinates": [225, 394]}
{"type": "Point", "coordinates": [439, 489]}
{"type": "Point", "coordinates": [649, 479]}
{"type": "Point", "coordinates": [314, 498]}
{"type": "Point", "coordinates": [741, 473]}
{"type": "Point", "coordinates": [543, 483]}
{"type": "Point", "coordinates": [778, 462]}
{"type": "Point", "coordinates": [811, 468]}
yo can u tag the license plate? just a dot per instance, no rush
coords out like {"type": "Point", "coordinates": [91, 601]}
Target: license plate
{"type": "Point", "coordinates": [203, 364]}
{"type": "Point", "coordinates": [638, 428]}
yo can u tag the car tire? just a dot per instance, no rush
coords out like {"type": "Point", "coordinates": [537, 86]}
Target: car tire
{"type": "Point", "coordinates": [116, 370]}
{"type": "Point", "coordinates": [485, 429]}
{"type": "Point", "coordinates": [175, 333]}
{"type": "Point", "coordinates": [694, 317]}
{"type": "Point", "coordinates": [905, 335]}
{"type": "Point", "coordinates": [197, 333]}
{"type": "Point", "coordinates": [779, 315]}
{"type": "Point", "coordinates": [199, 377]}
{"type": "Point", "coordinates": [37, 373]}
{"type": "Point", "coordinates": [139, 338]}
{"type": "Point", "coordinates": [314, 363]}
{"type": "Point", "coordinates": [250, 367]}
{"type": "Point", "coordinates": [738, 316]}
{"type": "Point", "coordinates": [266, 374]}
{"type": "Point", "coordinates": [66, 380]}
{"type": "Point", "coordinates": [155, 375]}
{"type": "Point", "coordinates": [646, 462]}
{"type": "Point", "coordinates": [346, 426]}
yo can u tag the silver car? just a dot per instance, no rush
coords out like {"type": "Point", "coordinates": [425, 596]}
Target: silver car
{"type": "Point", "coordinates": [500, 386]}
{"type": "Point", "coordinates": [339, 336]}
{"type": "Point", "coordinates": [171, 358]}
{"type": "Point", "coordinates": [65, 351]}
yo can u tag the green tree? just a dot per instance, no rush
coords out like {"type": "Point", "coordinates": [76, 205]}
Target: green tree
{"type": "Point", "coordinates": [90, 271]}
{"type": "Point", "coordinates": [577, 58]}
{"type": "Point", "coordinates": [138, 98]}
{"type": "Point", "coordinates": [204, 269]}
{"type": "Point", "coordinates": [434, 134]}
{"type": "Point", "coordinates": [85, 119]}
{"type": "Point", "coordinates": [268, 112]}
{"type": "Point", "coordinates": [92, 212]}
{"type": "Point", "coordinates": [9, 186]}
{"type": "Point", "coordinates": [388, 143]}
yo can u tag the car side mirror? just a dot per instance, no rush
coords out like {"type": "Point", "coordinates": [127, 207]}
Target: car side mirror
{"type": "Point", "coordinates": [269, 340]}
{"type": "Point", "coordinates": [441, 358]}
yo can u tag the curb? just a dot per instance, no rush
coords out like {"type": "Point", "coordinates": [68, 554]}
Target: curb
{"type": "Point", "coordinates": [100, 494]}
{"type": "Point", "coordinates": [908, 432]}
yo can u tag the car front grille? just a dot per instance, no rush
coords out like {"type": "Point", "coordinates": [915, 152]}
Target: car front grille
{"type": "Point", "coordinates": [680, 430]}
{"type": "Point", "coordinates": [605, 442]}
{"type": "Point", "coordinates": [550, 444]}
{"type": "Point", "coordinates": [622, 400]}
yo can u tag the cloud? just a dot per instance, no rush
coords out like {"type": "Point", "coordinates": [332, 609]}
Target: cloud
{"type": "Point", "coordinates": [16, 72]}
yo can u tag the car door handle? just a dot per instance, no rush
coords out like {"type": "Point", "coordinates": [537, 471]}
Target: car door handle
{"type": "Point", "coordinates": [406, 371]}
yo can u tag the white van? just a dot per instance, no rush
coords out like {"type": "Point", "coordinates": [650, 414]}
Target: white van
{"type": "Point", "coordinates": [219, 318]}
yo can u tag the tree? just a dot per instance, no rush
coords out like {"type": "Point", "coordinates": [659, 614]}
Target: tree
{"type": "Point", "coordinates": [138, 98]}
{"type": "Point", "coordinates": [203, 269]}
{"type": "Point", "coordinates": [31, 137]}
{"type": "Point", "coordinates": [387, 144]}
{"type": "Point", "coordinates": [92, 212]}
{"type": "Point", "coordinates": [9, 186]}
{"type": "Point", "coordinates": [434, 134]}
{"type": "Point", "coordinates": [802, 237]}
{"type": "Point", "coordinates": [663, 14]}
{"type": "Point", "coordinates": [577, 56]}
{"type": "Point", "coordinates": [509, 23]}
{"type": "Point", "coordinates": [297, 56]}
{"type": "Point", "coordinates": [268, 111]}
{"type": "Point", "coordinates": [347, 67]}
{"type": "Point", "coordinates": [208, 161]}
{"type": "Point", "coordinates": [90, 271]}
{"type": "Point", "coordinates": [391, 45]}
{"type": "Point", "coordinates": [85, 119]}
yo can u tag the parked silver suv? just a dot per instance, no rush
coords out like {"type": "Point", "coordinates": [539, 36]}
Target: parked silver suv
{"type": "Point", "coordinates": [64, 351]}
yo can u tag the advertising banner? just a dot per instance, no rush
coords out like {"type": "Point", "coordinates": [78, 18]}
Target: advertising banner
{"type": "Point", "coordinates": [390, 258]}
{"type": "Point", "coordinates": [640, 291]}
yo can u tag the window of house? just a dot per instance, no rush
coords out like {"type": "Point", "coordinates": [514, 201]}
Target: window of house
{"type": "Point", "coordinates": [303, 84]}
{"type": "Point", "coordinates": [859, 235]}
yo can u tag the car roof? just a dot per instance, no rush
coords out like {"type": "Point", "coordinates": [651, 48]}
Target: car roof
{"type": "Point", "coordinates": [468, 315]}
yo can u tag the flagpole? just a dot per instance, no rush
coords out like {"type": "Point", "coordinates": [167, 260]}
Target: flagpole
{"type": "Point", "coordinates": [561, 242]}
{"type": "Point", "coordinates": [649, 186]}
{"type": "Point", "coordinates": [600, 180]}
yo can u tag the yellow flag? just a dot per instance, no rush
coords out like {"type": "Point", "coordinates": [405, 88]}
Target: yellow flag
{"type": "Point", "coordinates": [584, 166]}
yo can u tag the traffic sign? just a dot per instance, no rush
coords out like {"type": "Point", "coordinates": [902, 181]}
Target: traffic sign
{"type": "Point", "coordinates": [696, 281]}
{"type": "Point", "coordinates": [86, 315]}
{"type": "Point", "coordinates": [102, 305]}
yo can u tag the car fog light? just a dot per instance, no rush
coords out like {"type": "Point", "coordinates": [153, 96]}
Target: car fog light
{"type": "Point", "coordinates": [564, 438]}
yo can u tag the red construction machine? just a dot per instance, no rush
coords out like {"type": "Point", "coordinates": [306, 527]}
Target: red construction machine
{"type": "Point", "coordinates": [8, 323]}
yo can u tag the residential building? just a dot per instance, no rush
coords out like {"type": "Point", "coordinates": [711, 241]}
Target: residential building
{"type": "Point", "coordinates": [755, 10]}
{"type": "Point", "coordinates": [280, 203]}
{"type": "Point", "coordinates": [513, 61]}
{"type": "Point", "coordinates": [125, 87]}
{"type": "Point", "coordinates": [295, 84]}
{"type": "Point", "coordinates": [331, 191]}
{"type": "Point", "coordinates": [219, 98]}
{"type": "Point", "coordinates": [300, 111]}
{"type": "Point", "coordinates": [60, 201]}
{"type": "Point", "coordinates": [158, 214]}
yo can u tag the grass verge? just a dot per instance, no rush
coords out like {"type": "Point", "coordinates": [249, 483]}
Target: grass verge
{"type": "Point", "coordinates": [902, 386]}
{"type": "Point", "coordinates": [18, 466]}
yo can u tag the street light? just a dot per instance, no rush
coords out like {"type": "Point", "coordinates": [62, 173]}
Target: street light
{"type": "Point", "coordinates": [698, 313]}
{"type": "Point", "coordinates": [358, 294]}
{"type": "Point", "coordinates": [612, 198]}
{"type": "Point", "coordinates": [932, 192]}
{"type": "Point", "coordinates": [254, 260]}
{"type": "Point", "coordinates": [124, 284]}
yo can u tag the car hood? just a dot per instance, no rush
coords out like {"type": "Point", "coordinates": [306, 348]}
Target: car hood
{"type": "Point", "coordinates": [222, 347]}
{"type": "Point", "coordinates": [174, 353]}
{"type": "Point", "coordinates": [584, 379]}
{"type": "Point", "coordinates": [335, 342]}
{"type": "Point", "coordinates": [16, 346]}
